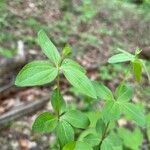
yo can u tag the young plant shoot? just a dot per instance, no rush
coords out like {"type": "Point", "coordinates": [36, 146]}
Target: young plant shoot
{"type": "Point", "coordinates": [63, 121]}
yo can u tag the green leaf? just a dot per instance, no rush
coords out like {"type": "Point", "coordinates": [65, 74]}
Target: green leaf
{"type": "Point", "coordinates": [80, 81]}
{"type": "Point", "coordinates": [93, 117]}
{"type": "Point", "coordinates": [137, 69]}
{"type": "Point", "coordinates": [131, 140]}
{"type": "Point", "coordinates": [125, 93]}
{"type": "Point", "coordinates": [8, 53]}
{"type": "Point", "coordinates": [58, 102]}
{"type": "Point", "coordinates": [65, 132]}
{"type": "Point", "coordinates": [67, 50]}
{"type": "Point", "coordinates": [68, 63]}
{"type": "Point", "coordinates": [125, 52]}
{"type": "Point", "coordinates": [70, 146]}
{"type": "Point", "coordinates": [122, 57]}
{"type": "Point", "coordinates": [78, 145]}
{"type": "Point", "coordinates": [48, 47]}
{"type": "Point", "coordinates": [77, 119]}
{"type": "Point", "coordinates": [100, 127]}
{"type": "Point", "coordinates": [36, 73]}
{"type": "Point", "coordinates": [45, 123]}
{"type": "Point", "coordinates": [111, 111]}
{"type": "Point", "coordinates": [86, 132]}
{"type": "Point", "coordinates": [133, 112]}
{"type": "Point", "coordinates": [92, 139]}
{"type": "Point", "coordinates": [111, 142]}
{"type": "Point", "coordinates": [102, 91]}
{"type": "Point", "coordinates": [121, 88]}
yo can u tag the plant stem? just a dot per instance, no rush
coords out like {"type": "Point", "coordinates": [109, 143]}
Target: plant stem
{"type": "Point", "coordinates": [58, 76]}
{"type": "Point", "coordinates": [58, 81]}
{"type": "Point", "coordinates": [58, 88]}
{"type": "Point", "coordinates": [104, 135]}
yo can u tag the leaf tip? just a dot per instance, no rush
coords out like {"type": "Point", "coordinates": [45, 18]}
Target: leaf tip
{"type": "Point", "coordinates": [40, 31]}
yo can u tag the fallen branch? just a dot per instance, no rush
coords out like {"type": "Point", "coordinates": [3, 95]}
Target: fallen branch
{"type": "Point", "coordinates": [22, 110]}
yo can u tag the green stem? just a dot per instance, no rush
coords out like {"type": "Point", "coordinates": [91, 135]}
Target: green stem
{"type": "Point", "coordinates": [58, 87]}
{"type": "Point", "coordinates": [58, 76]}
{"type": "Point", "coordinates": [104, 135]}
{"type": "Point", "coordinates": [58, 81]}
{"type": "Point", "coordinates": [60, 147]}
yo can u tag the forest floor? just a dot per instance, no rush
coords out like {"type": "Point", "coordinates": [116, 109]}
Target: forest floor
{"type": "Point", "coordinates": [94, 32]}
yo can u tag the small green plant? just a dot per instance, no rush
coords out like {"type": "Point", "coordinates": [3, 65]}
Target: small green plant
{"type": "Point", "coordinates": [7, 53]}
{"type": "Point", "coordinates": [88, 10]}
{"type": "Point", "coordinates": [135, 62]}
{"type": "Point", "coordinates": [97, 129]}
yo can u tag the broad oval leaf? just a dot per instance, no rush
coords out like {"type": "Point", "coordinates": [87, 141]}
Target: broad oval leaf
{"type": "Point", "coordinates": [121, 88]}
{"type": "Point", "coordinates": [102, 91]}
{"type": "Point", "coordinates": [92, 139]}
{"type": "Point", "coordinates": [122, 57]}
{"type": "Point", "coordinates": [133, 112]}
{"type": "Point", "coordinates": [77, 145]}
{"type": "Point", "coordinates": [100, 127]}
{"type": "Point", "coordinates": [111, 111]}
{"type": "Point", "coordinates": [93, 117]}
{"type": "Point", "coordinates": [72, 64]}
{"type": "Point", "coordinates": [86, 132]}
{"type": "Point", "coordinates": [137, 69]}
{"type": "Point", "coordinates": [36, 73]}
{"type": "Point", "coordinates": [111, 142]}
{"type": "Point", "coordinates": [48, 47]}
{"type": "Point", "coordinates": [125, 94]}
{"type": "Point", "coordinates": [45, 123]}
{"type": "Point", "coordinates": [136, 136]}
{"type": "Point", "coordinates": [65, 132]}
{"type": "Point", "coordinates": [77, 119]}
{"type": "Point", "coordinates": [79, 80]}
{"type": "Point", "coordinates": [58, 102]}
{"type": "Point", "coordinates": [124, 51]}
